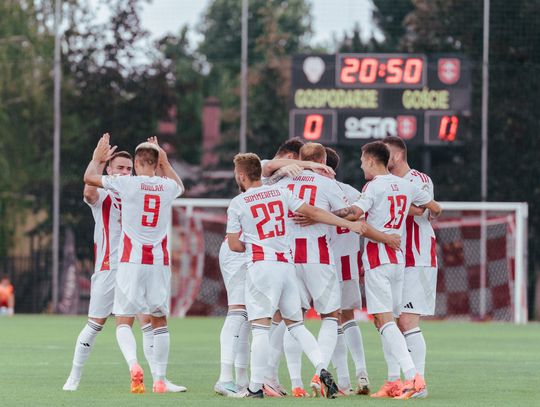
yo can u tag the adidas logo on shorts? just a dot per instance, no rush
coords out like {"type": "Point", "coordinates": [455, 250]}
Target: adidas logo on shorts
{"type": "Point", "coordinates": [409, 306]}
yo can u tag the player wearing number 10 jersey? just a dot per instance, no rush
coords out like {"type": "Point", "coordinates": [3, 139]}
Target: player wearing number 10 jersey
{"type": "Point", "coordinates": [260, 214]}
{"type": "Point", "coordinates": [386, 200]}
{"type": "Point", "coordinates": [143, 276]}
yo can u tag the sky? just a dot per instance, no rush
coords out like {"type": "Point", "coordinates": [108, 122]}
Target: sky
{"type": "Point", "coordinates": [330, 17]}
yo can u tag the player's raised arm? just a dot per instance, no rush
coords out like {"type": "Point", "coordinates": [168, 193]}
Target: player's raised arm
{"type": "Point", "coordinates": [164, 167]}
{"type": "Point", "coordinates": [272, 166]}
{"type": "Point", "coordinates": [102, 153]}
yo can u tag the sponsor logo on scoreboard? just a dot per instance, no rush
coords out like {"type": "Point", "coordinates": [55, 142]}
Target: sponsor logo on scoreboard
{"type": "Point", "coordinates": [374, 127]}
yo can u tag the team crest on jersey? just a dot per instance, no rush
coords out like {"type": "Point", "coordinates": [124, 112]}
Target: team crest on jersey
{"type": "Point", "coordinates": [394, 187]}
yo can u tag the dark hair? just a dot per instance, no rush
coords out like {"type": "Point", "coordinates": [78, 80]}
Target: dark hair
{"type": "Point", "coordinates": [123, 154]}
{"type": "Point", "coordinates": [377, 150]}
{"type": "Point", "coordinates": [290, 146]}
{"type": "Point", "coordinates": [250, 164]}
{"type": "Point", "coordinates": [396, 142]}
{"type": "Point", "coordinates": [332, 158]}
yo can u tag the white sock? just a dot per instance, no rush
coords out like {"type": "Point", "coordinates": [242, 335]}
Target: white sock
{"type": "Point", "coordinates": [275, 350]}
{"type": "Point", "coordinates": [417, 347]}
{"type": "Point", "coordinates": [162, 341]}
{"type": "Point", "coordinates": [148, 346]}
{"type": "Point", "coordinates": [308, 343]}
{"type": "Point", "coordinates": [83, 347]}
{"type": "Point", "coordinates": [228, 338]}
{"type": "Point", "coordinates": [392, 364]}
{"type": "Point", "coordinates": [293, 355]}
{"type": "Point", "coordinates": [353, 338]}
{"type": "Point", "coordinates": [398, 347]}
{"type": "Point", "coordinates": [339, 360]}
{"type": "Point", "coordinates": [241, 359]}
{"type": "Point", "coordinates": [127, 344]}
{"type": "Point", "coordinates": [327, 339]}
{"type": "Point", "coordinates": [259, 355]}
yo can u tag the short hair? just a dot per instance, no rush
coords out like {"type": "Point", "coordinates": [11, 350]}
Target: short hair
{"type": "Point", "coordinates": [122, 154]}
{"type": "Point", "coordinates": [148, 153]}
{"type": "Point", "coordinates": [313, 152]}
{"type": "Point", "coordinates": [332, 158]}
{"type": "Point", "coordinates": [290, 146]}
{"type": "Point", "coordinates": [377, 150]}
{"type": "Point", "coordinates": [249, 164]}
{"type": "Point", "coordinates": [396, 142]}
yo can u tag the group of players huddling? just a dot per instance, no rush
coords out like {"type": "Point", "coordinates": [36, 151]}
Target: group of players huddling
{"type": "Point", "coordinates": [292, 243]}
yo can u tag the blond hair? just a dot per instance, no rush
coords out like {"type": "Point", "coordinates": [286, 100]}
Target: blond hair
{"type": "Point", "coordinates": [249, 164]}
{"type": "Point", "coordinates": [313, 152]}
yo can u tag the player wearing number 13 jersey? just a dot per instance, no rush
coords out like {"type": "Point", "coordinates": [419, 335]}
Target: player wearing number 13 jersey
{"type": "Point", "coordinates": [385, 201]}
{"type": "Point", "coordinates": [260, 214]}
{"type": "Point", "coordinates": [143, 276]}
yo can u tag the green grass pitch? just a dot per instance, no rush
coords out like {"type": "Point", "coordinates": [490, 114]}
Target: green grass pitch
{"type": "Point", "coordinates": [469, 364]}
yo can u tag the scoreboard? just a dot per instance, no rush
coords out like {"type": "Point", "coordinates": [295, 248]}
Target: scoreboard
{"type": "Point", "coordinates": [357, 98]}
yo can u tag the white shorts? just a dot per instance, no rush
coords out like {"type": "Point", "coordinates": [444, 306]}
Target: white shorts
{"type": "Point", "coordinates": [233, 268]}
{"type": "Point", "coordinates": [319, 283]}
{"type": "Point", "coordinates": [271, 285]}
{"type": "Point", "coordinates": [102, 294]}
{"type": "Point", "coordinates": [419, 289]}
{"type": "Point", "coordinates": [384, 288]}
{"type": "Point", "coordinates": [142, 289]}
{"type": "Point", "coordinates": [350, 295]}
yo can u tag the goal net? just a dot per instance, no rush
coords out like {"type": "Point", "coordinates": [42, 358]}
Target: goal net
{"type": "Point", "coordinates": [481, 250]}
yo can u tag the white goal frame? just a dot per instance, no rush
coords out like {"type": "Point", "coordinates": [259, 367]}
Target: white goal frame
{"type": "Point", "coordinates": [521, 265]}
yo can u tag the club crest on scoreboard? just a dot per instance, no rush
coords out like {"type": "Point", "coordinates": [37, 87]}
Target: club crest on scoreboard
{"type": "Point", "coordinates": [448, 70]}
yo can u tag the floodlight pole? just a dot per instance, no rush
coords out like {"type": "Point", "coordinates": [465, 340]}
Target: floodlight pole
{"type": "Point", "coordinates": [244, 78]}
{"type": "Point", "coordinates": [484, 159]}
{"type": "Point", "coordinates": [56, 159]}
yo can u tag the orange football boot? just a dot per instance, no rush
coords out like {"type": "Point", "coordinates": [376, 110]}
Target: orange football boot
{"type": "Point", "coordinates": [299, 392]}
{"type": "Point", "coordinates": [137, 378]}
{"type": "Point", "coordinates": [388, 390]}
{"type": "Point", "coordinates": [411, 387]}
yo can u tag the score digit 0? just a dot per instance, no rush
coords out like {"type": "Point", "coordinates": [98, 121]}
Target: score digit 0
{"type": "Point", "coordinates": [448, 128]}
{"type": "Point", "coordinates": [313, 127]}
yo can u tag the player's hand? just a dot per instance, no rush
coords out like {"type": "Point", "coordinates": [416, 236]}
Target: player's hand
{"type": "Point", "coordinates": [359, 227]}
{"type": "Point", "coordinates": [302, 220]}
{"type": "Point", "coordinates": [291, 170]}
{"type": "Point", "coordinates": [394, 241]}
{"type": "Point", "coordinates": [320, 168]}
{"type": "Point", "coordinates": [162, 154]}
{"type": "Point", "coordinates": [416, 210]}
{"type": "Point", "coordinates": [103, 151]}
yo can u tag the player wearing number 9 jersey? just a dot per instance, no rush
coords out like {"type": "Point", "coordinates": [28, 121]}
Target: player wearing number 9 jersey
{"type": "Point", "coordinates": [260, 214]}
{"type": "Point", "coordinates": [143, 276]}
{"type": "Point", "coordinates": [385, 201]}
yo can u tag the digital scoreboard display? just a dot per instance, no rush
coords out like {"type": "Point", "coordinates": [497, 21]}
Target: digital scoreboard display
{"type": "Point", "coordinates": [357, 98]}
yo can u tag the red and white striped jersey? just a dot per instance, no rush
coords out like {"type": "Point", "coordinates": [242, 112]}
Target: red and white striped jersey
{"type": "Point", "coordinates": [346, 244]}
{"type": "Point", "coordinates": [260, 214]}
{"type": "Point", "coordinates": [311, 243]}
{"type": "Point", "coordinates": [386, 201]}
{"type": "Point", "coordinates": [106, 212]}
{"type": "Point", "coordinates": [146, 216]}
{"type": "Point", "coordinates": [419, 242]}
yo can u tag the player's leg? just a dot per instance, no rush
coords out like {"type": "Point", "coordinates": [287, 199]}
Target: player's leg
{"type": "Point", "coordinates": [351, 299]}
{"type": "Point", "coordinates": [129, 301]}
{"type": "Point", "coordinates": [233, 270]}
{"type": "Point", "coordinates": [272, 385]}
{"type": "Point", "coordinates": [100, 307]}
{"type": "Point", "coordinates": [340, 362]}
{"type": "Point", "coordinates": [264, 282]}
{"type": "Point", "coordinates": [289, 306]}
{"type": "Point", "coordinates": [241, 359]}
{"type": "Point", "coordinates": [157, 287]}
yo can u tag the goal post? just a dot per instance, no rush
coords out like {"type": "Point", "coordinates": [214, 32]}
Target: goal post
{"type": "Point", "coordinates": [481, 248]}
